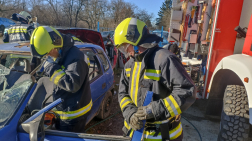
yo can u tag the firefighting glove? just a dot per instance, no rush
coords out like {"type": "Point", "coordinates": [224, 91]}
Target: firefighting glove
{"type": "Point", "coordinates": [135, 123]}
{"type": "Point", "coordinates": [50, 60]}
{"type": "Point", "coordinates": [145, 112]}
{"type": "Point", "coordinates": [46, 63]}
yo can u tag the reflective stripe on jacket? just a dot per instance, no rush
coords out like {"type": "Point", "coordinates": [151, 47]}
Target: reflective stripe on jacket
{"type": "Point", "coordinates": [159, 71]}
{"type": "Point", "coordinates": [70, 76]}
{"type": "Point", "coordinates": [17, 33]}
{"type": "Point", "coordinates": [76, 113]}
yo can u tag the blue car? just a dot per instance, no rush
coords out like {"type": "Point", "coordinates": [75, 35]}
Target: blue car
{"type": "Point", "coordinates": [164, 36]}
{"type": "Point", "coordinates": [5, 23]}
{"type": "Point", "coordinates": [17, 84]}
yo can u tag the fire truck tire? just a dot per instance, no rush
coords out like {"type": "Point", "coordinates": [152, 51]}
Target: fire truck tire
{"type": "Point", "coordinates": [234, 124]}
{"type": "Point", "coordinates": [105, 106]}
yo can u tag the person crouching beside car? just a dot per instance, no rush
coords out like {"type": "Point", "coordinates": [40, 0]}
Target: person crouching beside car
{"type": "Point", "coordinates": [68, 71]}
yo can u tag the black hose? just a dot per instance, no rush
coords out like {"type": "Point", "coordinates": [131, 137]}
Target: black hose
{"type": "Point", "coordinates": [193, 126]}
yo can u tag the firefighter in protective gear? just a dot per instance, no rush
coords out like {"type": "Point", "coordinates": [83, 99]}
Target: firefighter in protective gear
{"type": "Point", "coordinates": [22, 31]}
{"type": "Point", "coordinates": [69, 72]}
{"type": "Point", "coordinates": [155, 69]}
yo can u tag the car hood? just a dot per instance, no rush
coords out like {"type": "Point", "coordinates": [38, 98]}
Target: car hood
{"type": "Point", "coordinates": [85, 35]}
{"type": "Point", "coordinates": [6, 22]}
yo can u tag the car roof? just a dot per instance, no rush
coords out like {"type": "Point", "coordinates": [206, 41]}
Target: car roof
{"type": "Point", "coordinates": [160, 31]}
{"type": "Point", "coordinates": [15, 47]}
{"type": "Point", "coordinates": [77, 28]}
{"type": "Point", "coordinates": [85, 35]}
{"type": "Point", "coordinates": [88, 45]}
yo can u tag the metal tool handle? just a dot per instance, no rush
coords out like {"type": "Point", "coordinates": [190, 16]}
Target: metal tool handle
{"type": "Point", "coordinates": [34, 71]}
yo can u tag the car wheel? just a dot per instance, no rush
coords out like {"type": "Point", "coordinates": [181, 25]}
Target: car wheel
{"type": "Point", "coordinates": [105, 106]}
{"type": "Point", "coordinates": [235, 115]}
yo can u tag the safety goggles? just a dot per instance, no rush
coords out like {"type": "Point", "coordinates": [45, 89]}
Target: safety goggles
{"type": "Point", "coordinates": [123, 48]}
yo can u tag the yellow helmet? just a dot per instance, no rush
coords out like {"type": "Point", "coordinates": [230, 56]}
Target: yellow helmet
{"type": "Point", "coordinates": [129, 31]}
{"type": "Point", "coordinates": [44, 39]}
{"type": "Point", "coordinates": [26, 15]}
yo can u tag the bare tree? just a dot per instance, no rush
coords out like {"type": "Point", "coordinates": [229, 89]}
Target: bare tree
{"type": "Point", "coordinates": [145, 17]}
{"type": "Point", "coordinates": [121, 10]}
{"type": "Point", "coordinates": [68, 10]}
{"type": "Point", "coordinates": [7, 7]}
{"type": "Point", "coordinates": [109, 13]}
{"type": "Point", "coordinates": [54, 5]}
{"type": "Point", "coordinates": [72, 9]}
{"type": "Point", "coordinates": [93, 12]}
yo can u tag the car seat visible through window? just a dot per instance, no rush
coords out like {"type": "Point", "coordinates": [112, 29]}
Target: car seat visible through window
{"type": "Point", "coordinates": [22, 65]}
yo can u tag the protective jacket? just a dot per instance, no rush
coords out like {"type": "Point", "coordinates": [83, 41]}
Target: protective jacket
{"type": "Point", "coordinates": [161, 72]}
{"type": "Point", "coordinates": [17, 33]}
{"type": "Point", "coordinates": [71, 84]}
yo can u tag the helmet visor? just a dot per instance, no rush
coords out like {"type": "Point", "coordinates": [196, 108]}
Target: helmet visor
{"type": "Point", "coordinates": [56, 39]}
{"type": "Point", "coordinates": [123, 48]}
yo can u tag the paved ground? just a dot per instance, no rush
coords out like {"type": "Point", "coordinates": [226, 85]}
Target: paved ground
{"type": "Point", "coordinates": [208, 128]}
{"type": "Point", "coordinates": [112, 126]}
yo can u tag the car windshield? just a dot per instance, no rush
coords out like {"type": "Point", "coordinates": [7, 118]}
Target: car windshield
{"type": "Point", "coordinates": [111, 33]}
{"type": "Point", "coordinates": [16, 61]}
{"type": "Point", "coordinates": [165, 34]}
{"type": "Point", "coordinates": [13, 87]}
{"type": "Point", "coordinates": [104, 34]}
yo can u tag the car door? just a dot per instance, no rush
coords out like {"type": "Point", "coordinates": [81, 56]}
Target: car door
{"type": "Point", "coordinates": [96, 78]}
{"type": "Point", "coordinates": [33, 129]}
{"type": "Point", "coordinates": [107, 69]}
{"type": "Point", "coordinates": [15, 91]}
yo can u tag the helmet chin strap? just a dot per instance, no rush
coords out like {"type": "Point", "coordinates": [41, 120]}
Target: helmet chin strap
{"type": "Point", "coordinates": [136, 52]}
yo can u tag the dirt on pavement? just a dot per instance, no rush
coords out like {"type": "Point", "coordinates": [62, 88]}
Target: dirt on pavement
{"type": "Point", "coordinates": [112, 126]}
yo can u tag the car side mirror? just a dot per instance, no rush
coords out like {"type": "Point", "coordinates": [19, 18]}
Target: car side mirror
{"type": "Point", "coordinates": [35, 128]}
{"type": "Point", "coordinates": [35, 124]}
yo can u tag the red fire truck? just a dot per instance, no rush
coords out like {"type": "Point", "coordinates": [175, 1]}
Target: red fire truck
{"type": "Point", "coordinates": [221, 32]}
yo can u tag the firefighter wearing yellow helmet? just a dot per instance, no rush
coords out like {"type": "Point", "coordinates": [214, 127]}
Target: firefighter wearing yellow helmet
{"type": "Point", "coordinates": [22, 30]}
{"type": "Point", "coordinates": [155, 69]}
{"type": "Point", "coordinates": [68, 71]}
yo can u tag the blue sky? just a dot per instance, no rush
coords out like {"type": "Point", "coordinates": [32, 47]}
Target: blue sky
{"type": "Point", "coordinates": [152, 6]}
